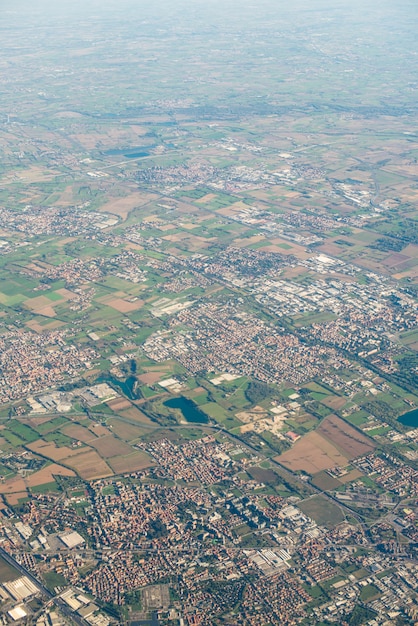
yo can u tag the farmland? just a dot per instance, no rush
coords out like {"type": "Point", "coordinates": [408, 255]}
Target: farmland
{"type": "Point", "coordinates": [313, 453]}
{"type": "Point", "coordinates": [334, 443]}
{"type": "Point", "coordinates": [208, 309]}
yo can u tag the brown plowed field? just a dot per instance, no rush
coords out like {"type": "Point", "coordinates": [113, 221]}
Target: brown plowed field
{"type": "Point", "coordinates": [136, 415]}
{"type": "Point", "coordinates": [312, 454]}
{"type": "Point", "coordinates": [346, 438]}
{"type": "Point", "coordinates": [109, 447]}
{"type": "Point", "coordinates": [51, 451]}
{"type": "Point", "coordinates": [89, 465]}
{"type": "Point", "coordinates": [46, 475]}
{"type": "Point", "coordinates": [80, 433]}
{"type": "Point", "coordinates": [334, 443]}
{"type": "Point", "coordinates": [118, 404]}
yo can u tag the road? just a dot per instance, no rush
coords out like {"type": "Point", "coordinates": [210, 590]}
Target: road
{"type": "Point", "coordinates": [64, 608]}
{"type": "Point", "coordinates": [287, 474]}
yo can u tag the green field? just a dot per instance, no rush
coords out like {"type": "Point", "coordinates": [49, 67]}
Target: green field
{"type": "Point", "coordinates": [369, 592]}
{"type": "Point", "coordinates": [323, 511]}
{"type": "Point", "coordinates": [7, 572]}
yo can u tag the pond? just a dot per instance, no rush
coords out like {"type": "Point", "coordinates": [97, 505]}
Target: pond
{"type": "Point", "coordinates": [129, 153]}
{"type": "Point", "coordinates": [409, 419]}
{"type": "Point", "coordinates": [189, 409]}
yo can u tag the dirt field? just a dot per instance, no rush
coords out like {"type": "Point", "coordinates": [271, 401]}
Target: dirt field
{"type": "Point", "coordinates": [208, 198]}
{"type": "Point", "coordinates": [14, 485]}
{"type": "Point", "coordinates": [119, 404]}
{"type": "Point", "coordinates": [39, 328]}
{"type": "Point", "coordinates": [16, 488]}
{"type": "Point", "coordinates": [123, 206]}
{"type": "Point", "coordinates": [67, 294]}
{"type": "Point", "coordinates": [312, 454]}
{"type": "Point", "coordinates": [345, 437]}
{"type": "Point", "coordinates": [123, 306]}
{"type": "Point", "coordinates": [40, 305]}
{"type": "Point", "coordinates": [37, 421]}
{"type": "Point", "coordinates": [79, 433]}
{"type": "Point", "coordinates": [232, 209]}
{"type": "Point", "coordinates": [132, 463]}
{"type": "Point", "coordinates": [128, 432]}
{"type": "Point", "coordinates": [109, 447]}
{"type": "Point", "coordinates": [46, 475]}
{"type": "Point", "coordinates": [353, 475]}
{"type": "Point", "coordinates": [13, 498]}
{"type": "Point", "coordinates": [249, 417]}
{"type": "Point", "coordinates": [51, 451]}
{"type": "Point", "coordinates": [32, 175]}
{"type": "Point", "coordinates": [395, 259]}
{"type": "Point", "coordinates": [136, 415]}
{"type": "Point", "coordinates": [67, 197]}
{"type": "Point", "coordinates": [89, 465]}
{"type": "Point", "coordinates": [294, 249]}
{"type": "Point", "coordinates": [334, 402]}
{"type": "Point", "coordinates": [245, 242]}
{"type": "Point", "coordinates": [333, 444]}
{"type": "Point", "coordinates": [99, 430]}
{"type": "Point", "coordinates": [188, 225]}
{"type": "Point", "coordinates": [151, 377]}
{"type": "Point", "coordinates": [293, 272]}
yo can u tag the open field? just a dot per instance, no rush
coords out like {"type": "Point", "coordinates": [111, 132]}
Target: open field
{"type": "Point", "coordinates": [124, 306]}
{"type": "Point", "coordinates": [334, 402]}
{"type": "Point", "coordinates": [325, 482]}
{"type": "Point", "coordinates": [41, 328]}
{"type": "Point", "coordinates": [151, 377]}
{"type": "Point", "coordinates": [131, 463]}
{"type": "Point", "coordinates": [46, 475]}
{"type": "Point", "coordinates": [13, 485]}
{"type": "Point", "coordinates": [52, 451]}
{"type": "Point", "coordinates": [16, 488]}
{"type": "Point", "coordinates": [79, 433]}
{"type": "Point", "coordinates": [323, 511]}
{"type": "Point", "coordinates": [332, 444]}
{"type": "Point", "coordinates": [123, 206]}
{"type": "Point", "coordinates": [266, 476]}
{"type": "Point", "coordinates": [89, 465]}
{"type": "Point", "coordinates": [135, 415]}
{"type": "Point", "coordinates": [346, 438]}
{"type": "Point", "coordinates": [41, 305]}
{"type": "Point", "coordinates": [109, 446]}
{"type": "Point", "coordinates": [125, 431]}
{"type": "Point", "coordinates": [16, 498]}
{"type": "Point", "coordinates": [312, 454]}
{"type": "Point", "coordinates": [7, 572]}
{"type": "Point", "coordinates": [118, 404]}
{"type": "Point", "coordinates": [99, 430]}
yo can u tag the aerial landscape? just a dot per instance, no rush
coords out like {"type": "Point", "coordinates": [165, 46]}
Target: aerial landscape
{"type": "Point", "coordinates": [208, 313]}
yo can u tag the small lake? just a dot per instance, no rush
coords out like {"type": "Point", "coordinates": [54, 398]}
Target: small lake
{"type": "Point", "coordinates": [409, 419]}
{"type": "Point", "coordinates": [189, 409]}
{"type": "Point", "coordinates": [129, 153]}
